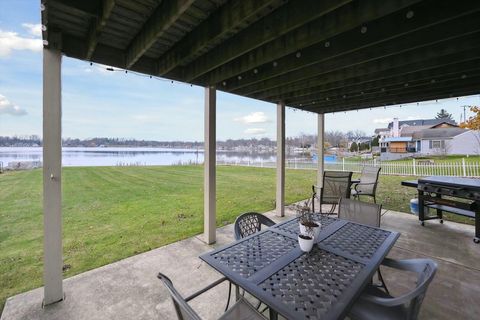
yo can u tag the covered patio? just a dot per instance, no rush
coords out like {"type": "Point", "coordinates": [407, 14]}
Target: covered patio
{"type": "Point", "coordinates": [317, 56]}
{"type": "Point", "coordinates": [128, 289]}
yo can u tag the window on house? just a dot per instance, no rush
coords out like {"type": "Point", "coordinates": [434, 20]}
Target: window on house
{"type": "Point", "coordinates": [437, 144]}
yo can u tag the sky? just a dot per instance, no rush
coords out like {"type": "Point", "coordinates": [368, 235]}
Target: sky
{"type": "Point", "coordinates": [101, 103]}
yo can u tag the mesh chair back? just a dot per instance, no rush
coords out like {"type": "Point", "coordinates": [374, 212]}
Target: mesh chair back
{"type": "Point", "coordinates": [336, 185]}
{"type": "Point", "coordinates": [249, 223]}
{"type": "Point", "coordinates": [368, 180]}
{"type": "Point", "coordinates": [184, 311]}
{"type": "Point", "coordinates": [360, 212]}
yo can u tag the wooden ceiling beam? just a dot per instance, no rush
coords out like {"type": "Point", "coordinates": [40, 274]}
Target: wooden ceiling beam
{"type": "Point", "coordinates": [288, 17]}
{"type": "Point", "coordinates": [75, 47]}
{"type": "Point", "coordinates": [323, 29]}
{"type": "Point", "coordinates": [231, 16]}
{"type": "Point", "coordinates": [455, 93]}
{"type": "Point", "coordinates": [416, 80]}
{"type": "Point", "coordinates": [384, 56]}
{"type": "Point", "coordinates": [397, 96]}
{"type": "Point", "coordinates": [426, 14]}
{"type": "Point", "coordinates": [164, 16]}
{"type": "Point", "coordinates": [89, 8]}
{"type": "Point", "coordinates": [400, 100]}
{"type": "Point", "coordinates": [402, 75]}
{"type": "Point", "coordinates": [97, 26]}
{"type": "Point", "coordinates": [416, 61]}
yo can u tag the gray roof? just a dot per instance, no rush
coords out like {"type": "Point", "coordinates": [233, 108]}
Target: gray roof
{"type": "Point", "coordinates": [422, 122]}
{"type": "Point", "coordinates": [408, 131]}
{"type": "Point", "coordinates": [439, 133]}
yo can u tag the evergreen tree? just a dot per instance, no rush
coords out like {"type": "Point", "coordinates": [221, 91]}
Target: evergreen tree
{"type": "Point", "coordinates": [354, 147]}
{"type": "Point", "coordinates": [443, 114]}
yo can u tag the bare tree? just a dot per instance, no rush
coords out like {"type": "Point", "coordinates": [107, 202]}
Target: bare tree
{"type": "Point", "coordinates": [335, 138]}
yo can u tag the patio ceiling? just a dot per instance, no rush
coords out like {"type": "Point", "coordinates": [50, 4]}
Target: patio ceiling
{"type": "Point", "coordinates": [320, 56]}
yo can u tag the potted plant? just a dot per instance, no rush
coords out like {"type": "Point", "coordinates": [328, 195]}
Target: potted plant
{"type": "Point", "coordinates": [306, 242]}
{"type": "Point", "coordinates": [309, 229]}
{"type": "Point", "coordinates": [305, 220]}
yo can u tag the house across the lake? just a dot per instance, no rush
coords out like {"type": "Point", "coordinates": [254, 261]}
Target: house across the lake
{"type": "Point", "coordinates": [427, 137]}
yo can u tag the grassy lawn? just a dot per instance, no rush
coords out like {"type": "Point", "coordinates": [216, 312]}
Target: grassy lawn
{"type": "Point", "coordinates": [110, 213]}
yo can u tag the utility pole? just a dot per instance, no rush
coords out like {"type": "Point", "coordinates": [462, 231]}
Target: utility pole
{"type": "Point", "coordinates": [464, 114]}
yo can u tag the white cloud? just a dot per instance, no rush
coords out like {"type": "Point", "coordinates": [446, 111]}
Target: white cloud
{"type": "Point", "coordinates": [254, 117]}
{"type": "Point", "coordinates": [382, 120]}
{"type": "Point", "coordinates": [6, 107]}
{"type": "Point", "coordinates": [255, 131]}
{"type": "Point", "coordinates": [10, 41]}
{"type": "Point", "coordinates": [33, 29]}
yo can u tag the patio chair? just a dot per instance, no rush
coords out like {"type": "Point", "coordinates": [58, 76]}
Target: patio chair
{"type": "Point", "coordinates": [249, 223]}
{"type": "Point", "coordinates": [360, 212]}
{"type": "Point", "coordinates": [336, 185]}
{"type": "Point", "coordinates": [376, 304]}
{"type": "Point", "coordinates": [368, 183]}
{"type": "Point", "coordinates": [364, 213]}
{"type": "Point", "coordinates": [242, 309]}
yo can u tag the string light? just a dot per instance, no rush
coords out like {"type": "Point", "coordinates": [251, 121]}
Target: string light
{"type": "Point", "coordinates": [363, 30]}
{"type": "Point", "coordinates": [327, 44]}
{"type": "Point", "coordinates": [111, 69]}
{"type": "Point", "coordinates": [410, 14]}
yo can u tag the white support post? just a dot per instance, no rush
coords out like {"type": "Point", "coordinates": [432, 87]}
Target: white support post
{"type": "Point", "coordinates": [464, 167]}
{"type": "Point", "coordinates": [320, 149]}
{"type": "Point", "coordinates": [209, 210]}
{"type": "Point", "coordinates": [280, 198]}
{"type": "Point", "coordinates": [414, 167]}
{"type": "Point", "coordinates": [52, 178]}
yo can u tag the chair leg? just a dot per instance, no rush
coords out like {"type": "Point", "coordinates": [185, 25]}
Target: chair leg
{"type": "Point", "coordinates": [332, 209]}
{"type": "Point", "coordinates": [229, 295]}
{"type": "Point", "coordinates": [382, 282]}
{"type": "Point", "coordinates": [273, 315]}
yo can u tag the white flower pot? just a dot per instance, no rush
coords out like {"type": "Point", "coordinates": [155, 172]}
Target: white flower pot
{"type": "Point", "coordinates": [316, 230]}
{"type": "Point", "coordinates": [305, 244]}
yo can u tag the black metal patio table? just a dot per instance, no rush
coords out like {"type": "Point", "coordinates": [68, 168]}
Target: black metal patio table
{"type": "Point", "coordinates": [321, 284]}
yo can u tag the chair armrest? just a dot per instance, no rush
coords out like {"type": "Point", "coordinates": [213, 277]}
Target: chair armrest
{"type": "Point", "coordinates": [315, 190]}
{"type": "Point", "coordinates": [203, 290]}
{"type": "Point", "coordinates": [363, 184]}
{"type": "Point", "coordinates": [387, 302]}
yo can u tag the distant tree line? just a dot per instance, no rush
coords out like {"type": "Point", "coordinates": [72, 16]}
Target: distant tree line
{"type": "Point", "coordinates": [16, 141]}
{"type": "Point", "coordinates": [332, 139]}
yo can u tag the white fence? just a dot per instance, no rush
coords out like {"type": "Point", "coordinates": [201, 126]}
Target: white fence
{"type": "Point", "coordinates": [460, 168]}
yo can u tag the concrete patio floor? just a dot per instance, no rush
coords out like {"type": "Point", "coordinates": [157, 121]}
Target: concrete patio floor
{"type": "Point", "coordinates": [129, 289]}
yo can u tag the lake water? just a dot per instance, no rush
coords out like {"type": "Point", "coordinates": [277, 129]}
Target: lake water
{"type": "Point", "coordinates": [128, 156]}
